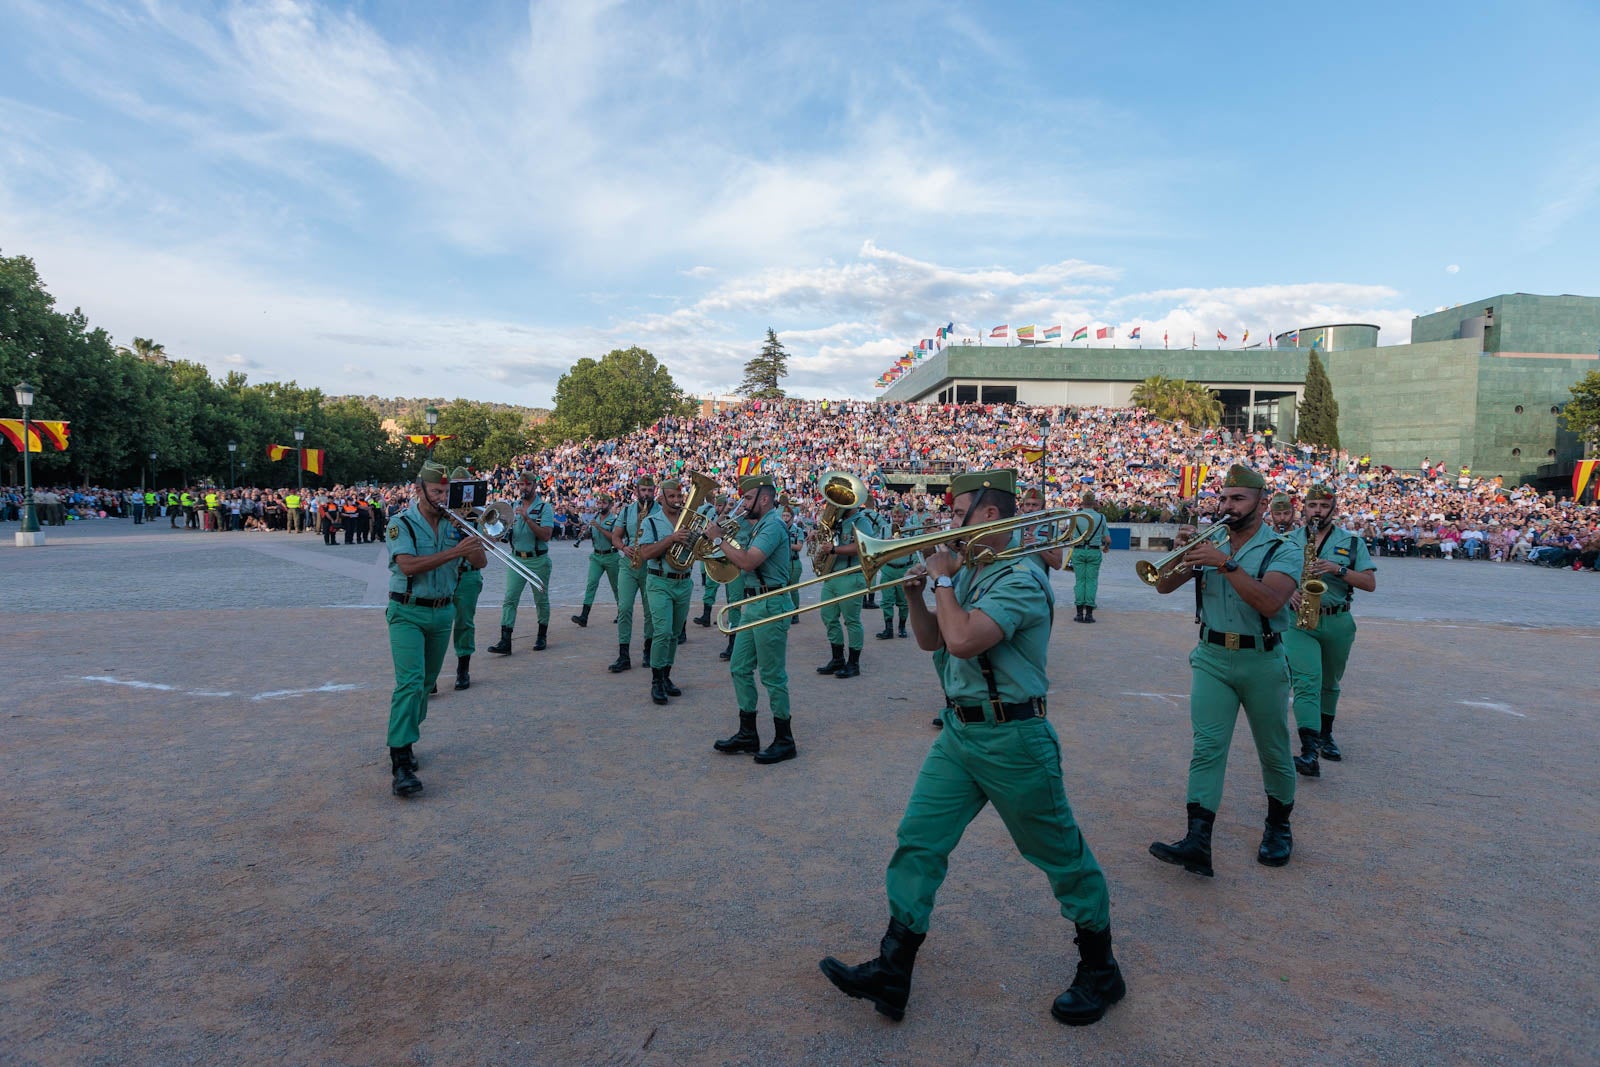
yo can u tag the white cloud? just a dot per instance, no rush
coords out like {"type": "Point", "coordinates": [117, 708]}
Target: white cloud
{"type": "Point", "coordinates": [1453, 268]}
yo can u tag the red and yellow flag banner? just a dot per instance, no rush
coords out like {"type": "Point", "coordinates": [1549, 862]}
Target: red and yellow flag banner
{"type": "Point", "coordinates": [749, 465]}
{"type": "Point", "coordinates": [39, 430]}
{"type": "Point", "coordinates": [1580, 476]}
{"type": "Point", "coordinates": [277, 452]}
{"type": "Point", "coordinates": [1194, 476]}
{"type": "Point", "coordinates": [313, 460]}
{"type": "Point", "coordinates": [428, 440]}
{"type": "Point", "coordinates": [1030, 454]}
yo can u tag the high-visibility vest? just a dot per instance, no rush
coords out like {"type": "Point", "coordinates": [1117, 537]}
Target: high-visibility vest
{"type": "Point", "coordinates": [187, 500]}
{"type": "Point", "coordinates": [350, 507]}
{"type": "Point", "coordinates": [211, 501]}
{"type": "Point", "coordinates": [292, 500]}
{"type": "Point", "coordinates": [172, 498]}
{"type": "Point", "coordinates": [149, 500]}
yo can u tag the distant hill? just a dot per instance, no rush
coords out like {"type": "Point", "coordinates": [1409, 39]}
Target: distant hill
{"type": "Point", "coordinates": [397, 407]}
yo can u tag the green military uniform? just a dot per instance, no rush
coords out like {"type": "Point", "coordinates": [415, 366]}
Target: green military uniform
{"type": "Point", "coordinates": [764, 647]}
{"type": "Point", "coordinates": [535, 555]}
{"type": "Point", "coordinates": [848, 633]}
{"type": "Point", "coordinates": [469, 586]}
{"type": "Point", "coordinates": [604, 562]}
{"type": "Point", "coordinates": [666, 593]}
{"type": "Point", "coordinates": [630, 579]}
{"type": "Point", "coordinates": [1317, 658]}
{"type": "Point", "coordinates": [421, 612]}
{"type": "Point", "coordinates": [797, 541]}
{"type": "Point", "coordinates": [894, 597]}
{"type": "Point", "coordinates": [1086, 560]}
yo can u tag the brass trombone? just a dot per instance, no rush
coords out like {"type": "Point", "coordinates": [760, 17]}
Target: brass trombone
{"type": "Point", "coordinates": [1071, 528]}
{"type": "Point", "coordinates": [1170, 564]}
{"type": "Point", "coordinates": [489, 524]}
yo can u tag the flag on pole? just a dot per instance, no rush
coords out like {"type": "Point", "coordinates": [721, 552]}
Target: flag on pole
{"type": "Point", "coordinates": [1105, 333]}
{"type": "Point", "coordinates": [1295, 337]}
{"type": "Point", "coordinates": [1000, 331]}
{"type": "Point", "coordinates": [749, 465]}
{"type": "Point", "coordinates": [1246, 338]}
{"type": "Point", "coordinates": [1024, 333]}
{"type": "Point", "coordinates": [313, 460]}
{"type": "Point", "coordinates": [1580, 476]}
{"type": "Point", "coordinates": [1221, 336]}
{"type": "Point", "coordinates": [1081, 333]}
{"type": "Point", "coordinates": [277, 452]}
{"type": "Point", "coordinates": [12, 430]}
{"type": "Point", "coordinates": [1194, 340]}
{"type": "Point", "coordinates": [1194, 476]}
{"type": "Point", "coordinates": [1052, 333]}
{"type": "Point", "coordinates": [1133, 334]}
{"type": "Point", "coordinates": [1163, 338]}
{"type": "Point", "coordinates": [1270, 340]}
{"type": "Point", "coordinates": [1030, 454]}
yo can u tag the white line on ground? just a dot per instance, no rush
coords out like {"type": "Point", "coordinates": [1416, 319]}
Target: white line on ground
{"type": "Point", "coordinates": [1493, 706]}
{"type": "Point", "coordinates": [331, 687]}
{"type": "Point", "coordinates": [130, 683]}
{"type": "Point", "coordinates": [1164, 697]}
{"type": "Point", "coordinates": [276, 694]}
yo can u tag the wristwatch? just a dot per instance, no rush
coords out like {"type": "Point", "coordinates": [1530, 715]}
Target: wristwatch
{"type": "Point", "coordinates": [1230, 566]}
{"type": "Point", "coordinates": [1343, 570]}
{"type": "Point", "coordinates": [943, 582]}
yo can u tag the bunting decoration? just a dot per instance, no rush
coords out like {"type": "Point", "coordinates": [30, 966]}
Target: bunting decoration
{"type": "Point", "coordinates": [1194, 476]}
{"type": "Point", "coordinates": [277, 452]}
{"type": "Point", "coordinates": [1580, 476]}
{"type": "Point", "coordinates": [39, 430]}
{"type": "Point", "coordinates": [313, 460]}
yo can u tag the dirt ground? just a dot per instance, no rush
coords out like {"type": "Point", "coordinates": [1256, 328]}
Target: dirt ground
{"type": "Point", "coordinates": [215, 871]}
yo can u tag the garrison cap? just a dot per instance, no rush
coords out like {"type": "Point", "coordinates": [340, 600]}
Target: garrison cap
{"type": "Point", "coordinates": [756, 481]}
{"type": "Point", "coordinates": [1088, 498]}
{"type": "Point", "coordinates": [604, 499]}
{"type": "Point", "coordinates": [461, 473]}
{"type": "Point", "coordinates": [1003, 480]}
{"type": "Point", "coordinates": [432, 472]}
{"type": "Point", "coordinates": [1032, 494]}
{"type": "Point", "coordinates": [644, 481]}
{"type": "Point", "coordinates": [721, 500]}
{"type": "Point", "coordinates": [1319, 492]}
{"type": "Point", "coordinates": [1279, 502]}
{"type": "Point", "coordinates": [673, 483]}
{"type": "Point", "coordinates": [1242, 477]}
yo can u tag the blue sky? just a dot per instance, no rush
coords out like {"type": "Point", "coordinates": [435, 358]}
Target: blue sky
{"type": "Point", "coordinates": [415, 198]}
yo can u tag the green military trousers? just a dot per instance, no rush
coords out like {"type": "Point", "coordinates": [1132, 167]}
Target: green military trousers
{"type": "Point", "coordinates": [765, 648]}
{"type": "Point", "coordinates": [1316, 664]}
{"type": "Point", "coordinates": [1220, 681]}
{"type": "Point", "coordinates": [602, 564]}
{"type": "Point", "coordinates": [630, 584]}
{"type": "Point", "coordinates": [1017, 767]}
{"type": "Point", "coordinates": [889, 599]}
{"type": "Point", "coordinates": [418, 638]}
{"type": "Point", "coordinates": [1085, 577]}
{"type": "Point", "coordinates": [794, 579]}
{"type": "Point", "coordinates": [468, 588]}
{"type": "Point", "coordinates": [668, 600]}
{"type": "Point", "coordinates": [849, 634]}
{"type": "Point", "coordinates": [736, 590]}
{"type": "Point", "coordinates": [515, 583]}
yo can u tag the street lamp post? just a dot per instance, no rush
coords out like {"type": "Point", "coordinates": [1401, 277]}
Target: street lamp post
{"type": "Point", "coordinates": [30, 534]}
{"type": "Point", "coordinates": [233, 446]}
{"type": "Point", "coordinates": [300, 446]}
{"type": "Point", "coordinates": [432, 415]}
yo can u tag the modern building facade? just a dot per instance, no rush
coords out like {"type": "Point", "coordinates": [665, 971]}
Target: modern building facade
{"type": "Point", "coordinates": [1480, 385]}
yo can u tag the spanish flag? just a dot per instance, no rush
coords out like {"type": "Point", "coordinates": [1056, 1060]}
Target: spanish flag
{"type": "Point", "coordinates": [1580, 476]}
{"type": "Point", "coordinates": [1194, 476]}
{"type": "Point", "coordinates": [428, 440]}
{"type": "Point", "coordinates": [11, 429]}
{"type": "Point", "coordinates": [1031, 455]}
{"type": "Point", "coordinates": [313, 460]}
{"type": "Point", "coordinates": [277, 452]}
{"type": "Point", "coordinates": [749, 465]}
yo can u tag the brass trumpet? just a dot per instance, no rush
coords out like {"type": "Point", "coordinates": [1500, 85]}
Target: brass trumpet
{"type": "Point", "coordinates": [1170, 564]}
{"type": "Point", "coordinates": [489, 524]}
{"type": "Point", "coordinates": [1072, 528]}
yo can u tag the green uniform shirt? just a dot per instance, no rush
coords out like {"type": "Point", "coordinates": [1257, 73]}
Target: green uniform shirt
{"type": "Point", "coordinates": [844, 533]}
{"type": "Point", "coordinates": [632, 519]}
{"type": "Point", "coordinates": [1018, 598]}
{"type": "Point", "coordinates": [771, 536]}
{"type": "Point", "coordinates": [600, 541]}
{"type": "Point", "coordinates": [657, 527]}
{"type": "Point", "coordinates": [1097, 535]}
{"type": "Point", "coordinates": [1342, 547]}
{"type": "Point", "coordinates": [522, 537]}
{"type": "Point", "coordinates": [410, 534]}
{"type": "Point", "coordinates": [1224, 610]}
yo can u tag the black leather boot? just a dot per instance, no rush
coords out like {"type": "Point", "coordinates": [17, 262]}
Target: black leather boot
{"type": "Point", "coordinates": [538, 642]}
{"type": "Point", "coordinates": [1330, 751]}
{"type": "Point", "coordinates": [727, 653]}
{"type": "Point", "coordinates": [1097, 985]}
{"type": "Point", "coordinates": [644, 657]}
{"type": "Point", "coordinates": [582, 619]}
{"type": "Point", "coordinates": [704, 618]}
{"type": "Point", "coordinates": [782, 747]}
{"type": "Point", "coordinates": [683, 635]}
{"type": "Point", "coordinates": [504, 647]}
{"type": "Point", "coordinates": [1079, 616]}
{"type": "Point", "coordinates": [746, 740]}
{"type": "Point", "coordinates": [1088, 613]}
{"type": "Point", "coordinates": [1193, 853]}
{"type": "Point", "coordinates": [852, 666]}
{"type": "Point", "coordinates": [887, 633]}
{"type": "Point", "coordinates": [622, 662]}
{"type": "Point", "coordinates": [870, 603]}
{"type": "Point", "coordinates": [1306, 762]}
{"type": "Point", "coordinates": [433, 692]}
{"type": "Point", "coordinates": [666, 683]}
{"type": "Point", "coordinates": [1276, 841]}
{"type": "Point", "coordinates": [886, 981]}
{"type": "Point", "coordinates": [463, 678]}
{"type": "Point", "coordinates": [835, 663]}
{"type": "Point", "coordinates": [402, 764]}
{"type": "Point", "coordinates": [902, 624]}
{"type": "Point", "coordinates": [657, 692]}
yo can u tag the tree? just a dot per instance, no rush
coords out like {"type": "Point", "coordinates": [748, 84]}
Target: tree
{"type": "Point", "coordinates": [1173, 399]}
{"type": "Point", "coordinates": [762, 373]}
{"type": "Point", "coordinates": [1319, 411]}
{"type": "Point", "coordinates": [616, 394]}
{"type": "Point", "coordinates": [1582, 412]}
{"type": "Point", "coordinates": [145, 349]}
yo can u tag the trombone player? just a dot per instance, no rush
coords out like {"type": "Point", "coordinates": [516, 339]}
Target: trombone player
{"type": "Point", "coordinates": [765, 561]}
{"type": "Point", "coordinates": [469, 586]}
{"type": "Point", "coordinates": [989, 633]}
{"type": "Point", "coordinates": [530, 540]}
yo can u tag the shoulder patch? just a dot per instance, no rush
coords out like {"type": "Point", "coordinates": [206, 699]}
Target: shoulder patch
{"type": "Point", "coordinates": [393, 531]}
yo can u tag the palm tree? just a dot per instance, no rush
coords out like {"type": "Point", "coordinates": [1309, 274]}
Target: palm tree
{"type": "Point", "coordinates": [1174, 399]}
{"type": "Point", "coordinates": [146, 350]}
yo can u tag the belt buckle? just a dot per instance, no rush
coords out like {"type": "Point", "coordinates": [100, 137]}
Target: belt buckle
{"type": "Point", "coordinates": [1230, 642]}
{"type": "Point", "coordinates": [999, 710]}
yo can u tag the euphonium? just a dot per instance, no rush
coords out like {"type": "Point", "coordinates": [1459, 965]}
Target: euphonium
{"type": "Point", "coordinates": [841, 492]}
{"type": "Point", "coordinates": [703, 488]}
{"type": "Point", "coordinates": [1311, 587]}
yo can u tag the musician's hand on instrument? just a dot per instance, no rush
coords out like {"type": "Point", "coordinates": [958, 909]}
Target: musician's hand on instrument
{"type": "Point", "coordinates": [943, 563]}
{"type": "Point", "coordinates": [1185, 535]}
{"type": "Point", "coordinates": [1206, 555]}
{"type": "Point", "coordinates": [1324, 567]}
{"type": "Point", "coordinates": [916, 580]}
{"type": "Point", "coordinates": [1294, 600]}
{"type": "Point", "coordinates": [682, 537]}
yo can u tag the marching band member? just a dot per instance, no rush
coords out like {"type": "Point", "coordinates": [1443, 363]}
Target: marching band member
{"type": "Point", "coordinates": [469, 586]}
{"type": "Point", "coordinates": [530, 541]}
{"type": "Point", "coordinates": [605, 560]}
{"type": "Point", "coordinates": [631, 573]}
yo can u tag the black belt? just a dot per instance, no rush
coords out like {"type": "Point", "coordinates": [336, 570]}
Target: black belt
{"type": "Point", "coordinates": [530, 555]}
{"type": "Point", "coordinates": [604, 551]}
{"type": "Point", "coordinates": [971, 714]}
{"type": "Point", "coordinates": [1336, 609]}
{"type": "Point", "coordinates": [1237, 641]}
{"type": "Point", "coordinates": [668, 574]}
{"type": "Point", "coordinates": [422, 601]}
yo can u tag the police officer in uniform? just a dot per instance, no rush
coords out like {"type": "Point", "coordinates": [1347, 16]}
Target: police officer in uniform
{"type": "Point", "coordinates": [1242, 601]}
{"type": "Point", "coordinates": [424, 550]}
{"type": "Point", "coordinates": [293, 504]}
{"type": "Point", "coordinates": [895, 598]}
{"type": "Point", "coordinates": [631, 573]}
{"type": "Point", "coordinates": [766, 563]}
{"type": "Point", "coordinates": [666, 588]}
{"type": "Point", "coordinates": [530, 541]}
{"type": "Point", "coordinates": [1317, 657]}
{"type": "Point", "coordinates": [1086, 564]}
{"type": "Point", "coordinates": [605, 560]}
{"type": "Point", "coordinates": [842, 556]}
{"type": "Point", "coordinates": [469, 586]}
{"type": "Point", "coordinates": [989, 632]}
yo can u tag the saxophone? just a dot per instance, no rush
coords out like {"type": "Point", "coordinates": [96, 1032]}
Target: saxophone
{"type": "Point", "coordinates": [1311, 588]}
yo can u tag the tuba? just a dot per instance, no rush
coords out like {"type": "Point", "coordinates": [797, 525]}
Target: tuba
{"type": "Point", "coordinates": [702, 489]}
{"type": "Point", "coordinates": [1311, 588]}
{"type": "Point", "coordinates": [841, 492]}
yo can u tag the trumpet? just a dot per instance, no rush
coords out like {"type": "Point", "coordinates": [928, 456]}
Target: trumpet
{"type": "Point", "coordinates": [489, 524]}
{"type": "Point", "coordinates": [1170, 564]}
{"type": "Point", "coordinates": [1069, 529]}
